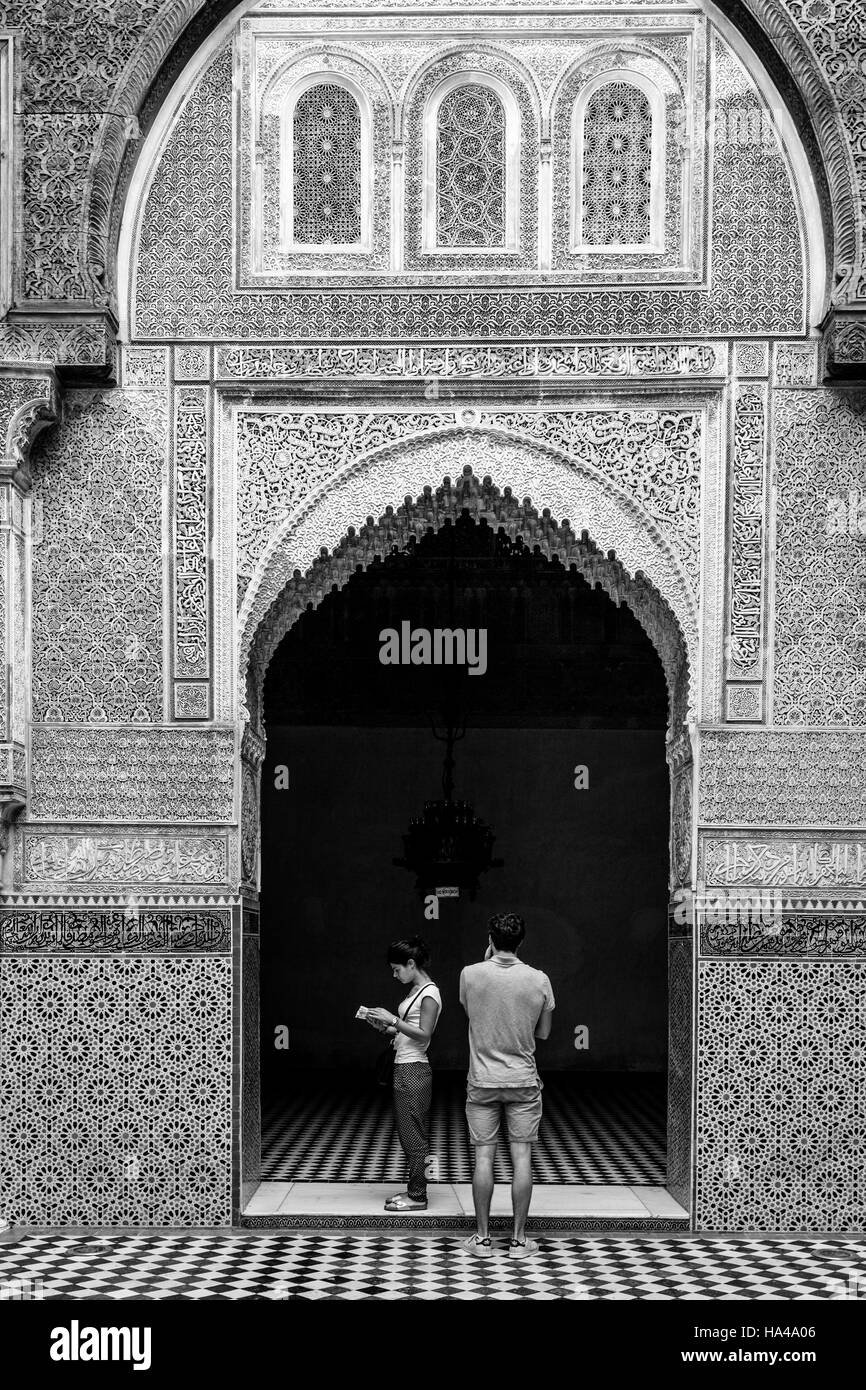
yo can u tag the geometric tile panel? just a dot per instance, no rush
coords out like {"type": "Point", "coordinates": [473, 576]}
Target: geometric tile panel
{"type": "Point", "coordinates": [329, 1127]}
{"type": "Point", "coordinates": [378, 1266]}
{"type": "Point", "coordinates": [679, 1117]}
{"type": "Point", "coordinates": [781, 1123]}
{"type": "Point", "coordinates": [115, 1087]}
{"type": "Point", "coordinates": [251, 1101]}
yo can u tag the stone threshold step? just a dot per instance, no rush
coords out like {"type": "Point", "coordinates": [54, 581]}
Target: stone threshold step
{"type": "Point", "coordinates": [433, 1222]}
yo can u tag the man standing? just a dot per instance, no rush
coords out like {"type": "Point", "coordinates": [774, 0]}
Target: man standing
{"type": "Point", "coordinates": [508, 1005]}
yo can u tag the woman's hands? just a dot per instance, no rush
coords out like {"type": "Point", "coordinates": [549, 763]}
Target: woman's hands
{"type": "Point", "coordinates": [380, 1018]}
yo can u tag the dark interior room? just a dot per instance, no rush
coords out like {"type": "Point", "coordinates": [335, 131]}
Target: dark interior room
{"type": "Point", "coordinates": [559, 746]}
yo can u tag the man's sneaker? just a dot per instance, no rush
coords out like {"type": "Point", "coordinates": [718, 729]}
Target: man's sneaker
{"type": "Point", "coordinates": [519, 1249]}
{"type": "Point", "coordinates": [476, 1245]}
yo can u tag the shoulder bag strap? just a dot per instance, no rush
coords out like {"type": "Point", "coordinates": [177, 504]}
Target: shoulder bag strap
{"type": "Point", "coordinates": [416, 995]}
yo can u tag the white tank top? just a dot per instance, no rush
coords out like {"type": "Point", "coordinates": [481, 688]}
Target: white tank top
{"type": "Point", "coordinates": [409, 1049]}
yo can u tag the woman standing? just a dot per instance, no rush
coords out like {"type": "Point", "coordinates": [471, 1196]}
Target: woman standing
{"type": "Point", "coordinates": [411, 1028]}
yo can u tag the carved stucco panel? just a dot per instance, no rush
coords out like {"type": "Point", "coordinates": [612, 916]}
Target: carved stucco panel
{"type": "Point", "coordinates": [191, 553]}
{"type": "Point", "coordinates": [756, 860]}
{"type": "Point", "coordinates": [771, 777]}
{"type": "Point", "coordinates": [93, 774]}
{"type": "Point", "coordinates": [97, 560]}
{"type": "Point", "coordinates": [120, 46]}
{"type": "Point", "coordinates": [570, 491]}
{"type": "Point", "coordinates": [820, 571]}
{"type": "Point", "coordinates": [654, 455]}
{"type": "Point", "coordinates": [117, 857]}
{"type": "Point", "coordinates": [185, 283]}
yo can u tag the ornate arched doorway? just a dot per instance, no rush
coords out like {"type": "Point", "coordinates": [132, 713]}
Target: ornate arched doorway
{"type": "Point", "coordinates": [361, 546]}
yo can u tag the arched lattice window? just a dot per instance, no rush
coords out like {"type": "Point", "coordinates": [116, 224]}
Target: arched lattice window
{"type": "Point", "coordinates": [618, 161]}
{"type": "Point", "coordinates": [471, 169]}
{"type": "Point", "coordinates": [327, 147]}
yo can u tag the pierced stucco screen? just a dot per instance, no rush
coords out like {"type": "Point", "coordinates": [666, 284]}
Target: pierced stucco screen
{"type": "Point", "coordinates": [326, 167]}
{"type": "Point", "coordinates": [470, 166]}
{"type": "Point", "coordinates": [617, 167]}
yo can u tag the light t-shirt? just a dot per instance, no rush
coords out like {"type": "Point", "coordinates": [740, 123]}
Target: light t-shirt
{"type": "Point", "coordinates": [503, 999]}
{"type": "Point", "coordinates": [410, 1049]}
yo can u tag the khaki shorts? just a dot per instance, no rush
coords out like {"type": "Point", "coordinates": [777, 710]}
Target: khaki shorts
{"type": "Point", "coordinates": [484, 1106]}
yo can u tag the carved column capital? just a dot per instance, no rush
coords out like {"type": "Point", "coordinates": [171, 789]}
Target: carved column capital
{"type": "Point", "coordinates": [12, 803]}
{"type": "Point", "coordinates": [29, 400]}
{"type": "Point", "coordinates": [78, 337]}
{"type": "Point", "coordinates": [845, 342]}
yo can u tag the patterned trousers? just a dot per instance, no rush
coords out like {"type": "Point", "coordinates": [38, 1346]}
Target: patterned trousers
{"type": "Point", "coordinates": [413, 1091]}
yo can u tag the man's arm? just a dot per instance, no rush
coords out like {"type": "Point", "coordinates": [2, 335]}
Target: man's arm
{"type": "Point", "coordinates": [542, 1027]}
{"type": "Point", "coordinates": [545, 1019]}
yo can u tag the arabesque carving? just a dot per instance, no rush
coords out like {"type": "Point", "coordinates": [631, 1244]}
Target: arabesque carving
{"type": "Point", "coordinates": [500, 510]}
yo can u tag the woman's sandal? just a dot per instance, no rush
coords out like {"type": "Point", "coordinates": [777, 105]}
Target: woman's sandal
{"type": "Point", "coordinates": [403, 1202]}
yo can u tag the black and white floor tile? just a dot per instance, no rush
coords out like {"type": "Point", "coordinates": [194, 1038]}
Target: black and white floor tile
{"type": "Point", "coordinates": [394, 1265]}
{"type": "Point", "coordinates": [333, 1128]}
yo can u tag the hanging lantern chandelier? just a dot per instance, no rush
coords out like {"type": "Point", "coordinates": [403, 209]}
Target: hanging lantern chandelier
{"type": "Point", "coordinates": [448, 847]}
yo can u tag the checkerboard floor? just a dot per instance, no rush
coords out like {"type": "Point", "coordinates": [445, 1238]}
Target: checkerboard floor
{"type": "Point", "coordinates": [401, 1265]}
{"type": "Point", "coordinates": [330, 1127]}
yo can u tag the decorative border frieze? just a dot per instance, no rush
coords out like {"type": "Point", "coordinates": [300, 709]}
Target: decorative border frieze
{"type": "Point", "coordinates": [783, 777]}
{"type": "Point", "coordinates": [110, 856]}
{"type": "Point", "coordinates": [795, 935]}
{"type": "Point", "coordinates": [104, 901]}
{"type": "Point", "coordinates": [823, 866]}
{"type": "Point", "coordinates": [451, 362]}
{"type": "Point", "coordinates": [143, 774]}
{"type": "Point", "coordinates": [132, 929]}
{"type": "Point", "coordinates": [191, 567]}
{"type": "Point", "coordinates": [746, 617]}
